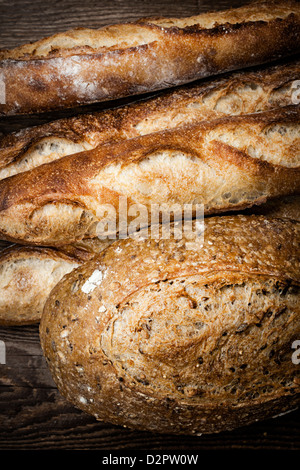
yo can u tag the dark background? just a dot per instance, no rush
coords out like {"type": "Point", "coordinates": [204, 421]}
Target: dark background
{"type": "Point", "coordinates": [32, 413]}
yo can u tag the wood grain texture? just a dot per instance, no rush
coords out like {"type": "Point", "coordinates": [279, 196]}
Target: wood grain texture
{"type": "Point", "coordinates": [32, 413]}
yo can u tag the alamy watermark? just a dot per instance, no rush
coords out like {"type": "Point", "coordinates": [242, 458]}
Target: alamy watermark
{"type": "Point", "coordinates": [2, 90]}
{"type": "Point", "coordinates": [156, 221]}
{"type": "Point", "coordinates": [296, 92]}
{"type": "Point", "coordinates": [2, 352]}
{"type": "Point", "coordinates": [296, 354]}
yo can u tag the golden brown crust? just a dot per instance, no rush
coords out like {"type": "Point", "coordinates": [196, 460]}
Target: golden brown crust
{"type": "Point", "coordinates": [226, 164]}
{"type": "Point", "coordinates": [236, 93]}
{"type": "Point", "coordinates": [180, 339]}
{"type": "Point", "coordinates": [85, 66]}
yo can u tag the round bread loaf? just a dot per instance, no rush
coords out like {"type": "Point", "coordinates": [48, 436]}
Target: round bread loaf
{"type": "Point", "coordinates": [172, 336]}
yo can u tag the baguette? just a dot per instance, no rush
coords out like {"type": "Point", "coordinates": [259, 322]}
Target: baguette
{"type": "Point", "coordinates": [28, 274]}
{"type": "Point", "coordinates": [226, 164]}
{"type": "Point", "coordinates": [237, 93]}
{"type": "Point", "coordinates": [26, 264]}
{"type": "Point", "coordinates": [83, 66]}
{"type": "Point", "coordinates": [157, 336]}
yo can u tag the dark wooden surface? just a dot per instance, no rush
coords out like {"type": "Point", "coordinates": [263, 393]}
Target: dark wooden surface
{"type": "Point", "coordinates": [33, 415]}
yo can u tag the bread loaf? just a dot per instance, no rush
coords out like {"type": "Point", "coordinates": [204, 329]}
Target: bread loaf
{"type": "Point", "coordinates": [161, 336]}
{"type": "Point", "coordinates": [28, 274]}
{"type": "Point", "coordinates": [226, 164]}
{"type": "Point", "coordinates": [236, 93]}
{"type": "Point", "coordinates": [84, 65]}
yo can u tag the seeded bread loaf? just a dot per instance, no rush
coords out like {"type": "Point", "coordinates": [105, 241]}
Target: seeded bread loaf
{"type": "Point", "coordinates": [84, 65]}
{"type": "Point", "coordinates": [236, 93]}
{"type": "Point", "coordinates": [172, 336]}
{"type": "Point", "coordinates": [226, 164]}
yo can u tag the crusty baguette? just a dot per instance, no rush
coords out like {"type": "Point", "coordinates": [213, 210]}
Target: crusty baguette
{"type": "Point", "coordinates": [28, 274]}
{"type": "Point", "coordinates": [84, 65]}
{"type": "Point", "coordinates": [236, 93]}
{"type": "Point", "coordinates": [157, 336]}
{"type": "Point", "coordinates": [226, 164]}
